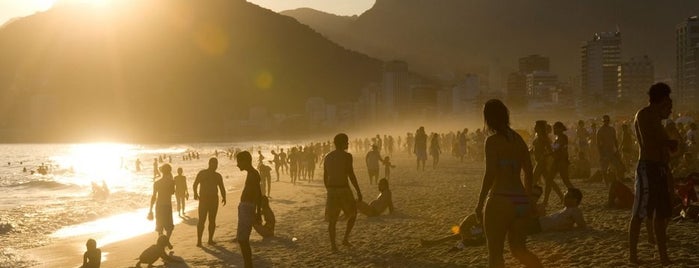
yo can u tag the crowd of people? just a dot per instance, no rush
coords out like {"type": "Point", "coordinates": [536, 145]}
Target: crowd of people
{"type": "Point", "coordinates": [663, 151]}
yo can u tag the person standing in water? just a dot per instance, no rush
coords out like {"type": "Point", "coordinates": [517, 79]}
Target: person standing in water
{"type": "Point", "coordinates": [210, 181]}
{"type": "Point", "coordinates": [338, 173]}
{"type": "Point", "coordinates": [508, 203]}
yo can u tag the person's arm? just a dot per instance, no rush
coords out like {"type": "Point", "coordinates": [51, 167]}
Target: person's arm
{"type": "Point", "coordinates": [98, 258]}
{"type": "Point", "coordinates": [353, 178]}
{"type": "Point", "coordinates": [527, 167]}
{"type": "Point", "coordinates": [258, 200]}
{"type": "Point", "coordinates": [85, 259]}
{"type": "Point", "coordinates": [195, 186]}
{"type": "Point", "coordinates": [222, 189]}
{"type": "Point", "coordinates": [325, 174]}
{"type": "Point", "coordinates": [488, 179]}
{"type": "Point", "coordinates": [153, 196]}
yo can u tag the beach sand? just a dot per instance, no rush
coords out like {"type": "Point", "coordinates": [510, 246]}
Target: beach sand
{"type": "Point", "coordinates": [427, 205]}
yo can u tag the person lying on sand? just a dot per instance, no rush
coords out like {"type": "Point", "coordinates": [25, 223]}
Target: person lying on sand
{"type": "Point", "coordinates": [382, 202]}
{"type": "Point", "coordinates": [569, 218]}
{"type": "Point", "coordinates": [157, 251]}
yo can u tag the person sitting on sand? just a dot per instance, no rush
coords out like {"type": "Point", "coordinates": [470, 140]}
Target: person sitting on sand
{"type": "Point", "coordinates": [93, 255]}
{"type": "Point", "coordinates": [569, 218]}
{"type": "Point", "coordinates": [266, 229]}
{"type": "Point", "coordinates": [382, 202]}
{"type": "Point", "coordinates": [157, 251]}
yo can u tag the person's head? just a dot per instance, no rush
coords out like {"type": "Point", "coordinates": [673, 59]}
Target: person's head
{"type": "Point", "coordinates": [166, 169]}
{"type": "Point", "coordinates": [496, 115]}
{"type": "Point", "coordinates": [383, 185]}
{"type": "Point", "coordinates": [91, 244]}
{"type": "Point", "coordinates": [163, 241]}
{"type": "Point", "coordinates": [386, 159]}
{"type": "Point", "coordinates": [244, 160]}
{"type": "Point", "coordinates": [540, 127]}
{"type": "Point", "coordinates": [213, 163]}
{"type": "Point", "coordinates": [341, 141]}
{"type": "Point", "coordinates": [559, 127]}
{"type": "Point", "coordinates": [573, 197]}
{"type": "Point", "coordinates": [374, 147]}
{"type": "Point", "coordinates": [605, 119]}
{"type": "Point", "coordinates": [179, 171]}
{"type": "Point", "coordinates": [659, 96]}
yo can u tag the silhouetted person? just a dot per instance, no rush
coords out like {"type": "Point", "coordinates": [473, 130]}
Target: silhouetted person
{"type": "Point", "coordinates": [653, 178]}
{"type": "Point", "coordinates": [265, 178]}
{"type": "Point", "coordinates": [435, 150]}
{"type": "Point", "coordinates": [93, 255]}
{"type": "Point", "coordinates": [138, 165]}
{"type": "Point", "coordinates": [163, 189]}
{"type": "Point", "coordinates": [372, 160]}
{"type": "Point", "coordinates": [210, 181]}
{"type": "Point", "coordinates": [249, 208]}
{"type": "Point", "coordinates": [608, 148]}
{"type": "Point", "coordinates": [181, 192]}
{"type": "Point", "coordinates": [284, 161]}
{"type": "Point", "coordinates": [420, 149]}
{"type": "Point", "coordinates": [560, 162]}
{"type": "Point", "coordinates": [386, 162]}
{"type": "Point", "coordinates": [277, 163]}
{"type": "Point", "coordinates": [508, 204]}
{"type": "Point", "coordinates": [155, 252]}
{"type": "Point", "coordinates": [156, 172]}
{"type": "Point", "coordinates": [338, 172]}
{"type": "Point", "coordinates": [383, 201]}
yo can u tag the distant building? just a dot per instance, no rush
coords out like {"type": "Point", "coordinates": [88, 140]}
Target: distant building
{"type": "Point", "coordinates": [532, 63]}
{"type": "Point", "coordinates": [541, 85]}
{"type": "Point", "coordinates": [315, 111]}
{"type": "Point", "coordinates": [395, 92]}
{"type": "Point", "coordinates": [635, 77]}
{"type": "Point", "coordinates": [465, 94]}
{"type": "Point", "coordinates": [517, 90]}
{"type": "Point", "coordinates": [601, 57]}
{"type": "Point", "coordinates": [687, 42]}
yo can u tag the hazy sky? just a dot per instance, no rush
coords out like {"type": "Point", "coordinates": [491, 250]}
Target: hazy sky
{"type": "Point", "coordinates": [18, 8]}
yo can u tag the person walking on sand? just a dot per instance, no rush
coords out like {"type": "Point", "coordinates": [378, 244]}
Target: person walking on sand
{"type": "Point", "coordinates": [508, 204]}
{"type": "Point", "coordinates": [653, 178]}
{"type": "Point", "coordinates": [163, 189]}
{"type": "Point", "coordinates": [435, 150]}
{"type": "Point", "coordinates": [250, 204]}
{"type": "Point", "coordinates": [181, 192]}
{"type": "Point", "coordinates": [337, 170]}
{"type": "Point", "coordinates": [373, 166]}
{"type": "Point", "coordinates": [420, 149]}
{"type": "Point", "coordinates": [210, 181]}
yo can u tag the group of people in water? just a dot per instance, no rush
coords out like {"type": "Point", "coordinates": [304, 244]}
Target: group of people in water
{"type": "Point", "coordinates": [508, 206]}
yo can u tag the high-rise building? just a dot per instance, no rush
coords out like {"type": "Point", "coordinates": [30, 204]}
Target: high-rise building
{"type": "Point", "coordinates": [635, 77]}
{"type": "Point", "coordinates": [517, 90]}
{"type": "Point", "coordinates": [533, 63]}
{"type": "Point", "coordinates": [541, 85]}
{"type": "Point", "coordinates": [395, 93]}
{"type": "Point", "coordinates": [687, 42]}
{"type": "Point", "coordinates": [601, 57]}
{"type": "Point", "coordinates": [465, 94]}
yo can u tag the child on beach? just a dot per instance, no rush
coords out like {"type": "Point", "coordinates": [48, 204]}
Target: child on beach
{"type": "Point", "coordinates": [157, 251]}
{"type": "Point", "coordinates": [387, 167]}
{"type": "Point", "coordinates": [93, 255]}
{"type": "Point", "coordinates": [382, 202]}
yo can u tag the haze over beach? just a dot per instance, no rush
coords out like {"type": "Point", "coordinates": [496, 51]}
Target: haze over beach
{"type": "Point", "coordinates": [421, 133]}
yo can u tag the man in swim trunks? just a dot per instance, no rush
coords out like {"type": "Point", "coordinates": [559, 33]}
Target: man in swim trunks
{"type": "Point", "coordinates": [653, 178]}
{"type": "Point", "coordinates": [337, 169]}
{"type": "Point", "coordinates": [210, 180]}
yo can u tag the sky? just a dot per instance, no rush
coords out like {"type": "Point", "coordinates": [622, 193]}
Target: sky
{"type": "Point", "coordinates": [19, 8]}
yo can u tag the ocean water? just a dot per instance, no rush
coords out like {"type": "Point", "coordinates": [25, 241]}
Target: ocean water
{"type": "Point", "coordinates": [36, 208]}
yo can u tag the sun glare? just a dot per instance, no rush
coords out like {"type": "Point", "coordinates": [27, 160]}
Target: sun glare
{"type": "Point", "coordinates": [98, 162]}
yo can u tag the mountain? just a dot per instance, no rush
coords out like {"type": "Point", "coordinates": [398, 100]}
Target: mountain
{"type": "Point", "coordinates": [146, 70]}
{"type": "Point", "coordinates": [475, 35]}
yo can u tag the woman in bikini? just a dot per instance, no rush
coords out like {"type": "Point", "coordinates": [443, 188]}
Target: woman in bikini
{"type": "Point", "coordinates": [508, 205]}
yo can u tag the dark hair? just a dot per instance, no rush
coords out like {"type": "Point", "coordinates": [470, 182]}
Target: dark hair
{"type": "Point", "coordinates": [559, 125]}
{"type": "Point", "coordinates": [540, 126]}
{"type": "Point", "coordinates": [341, 140]}
{"type": "Point", "coordinates": [575, 193]}
{"type": "Point", "coordinates": [244, 157]}
{"type": "Point", "coordinates": [658, 92]}
{"type": "Point", "coordinates": [496, 115]}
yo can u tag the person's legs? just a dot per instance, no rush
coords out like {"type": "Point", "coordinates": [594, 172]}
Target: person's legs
{"type": "Point", "coordinates": [366, 209]}
{"type": "Point", "coordinates": [634, 231]}
{"type": "Point", "coordinates": [246, 216]}
{"type": "Point", "coordinates": [497, 215]}
{"type": "Point", "coordinates": [551, 185]}
{"type": "Point", "coordinates": [213, 210]}
{"type": "Point", "coordinates": [349, 207]}
{"type": "Point", "coordinates": [203, 211]}
{"type": "Point", "coordinates": [518, 247]}
{"type": "Point", "coordinates": [563, 170]}
{"type": "Point", "coordinates": [332, 211]}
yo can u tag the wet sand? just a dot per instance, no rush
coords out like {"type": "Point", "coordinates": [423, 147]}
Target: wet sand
{"type": "Point", "coordinates": [427, 205]}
